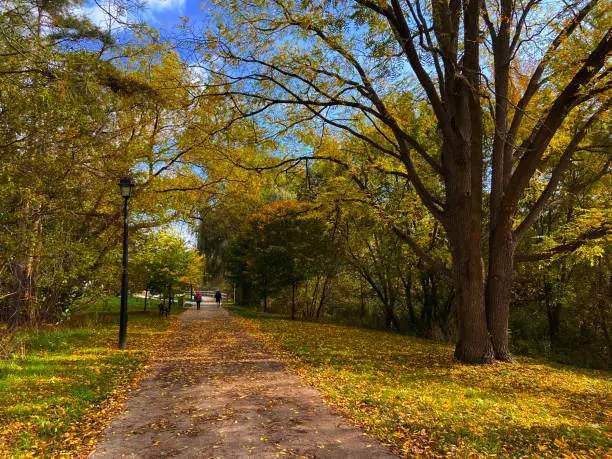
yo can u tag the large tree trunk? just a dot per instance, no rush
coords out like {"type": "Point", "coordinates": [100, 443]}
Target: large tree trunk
{"type": "Point", "coordinates": [462, 161]}
{"type": "Point", "coordinates": [464, 226]}
{"type": "Point", "coordinates": [473, 344]}
{"type": "Point", "coordinates": [498, 290]}
{"type": "Point", "coordinates": [501, 245]}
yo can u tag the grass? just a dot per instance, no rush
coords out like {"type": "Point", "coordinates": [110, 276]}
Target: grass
{"type": "Point", "coordinates": [59, 386]}
{"type": "Point", "coordinates": [409, 393]}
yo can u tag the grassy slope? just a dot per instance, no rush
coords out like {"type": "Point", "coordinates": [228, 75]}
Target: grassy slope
{"type": "Point", "coordinates": [410, 394]}
{"type": "Point", "coordinates": [58, 387]}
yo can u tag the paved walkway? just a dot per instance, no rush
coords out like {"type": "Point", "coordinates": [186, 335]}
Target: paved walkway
{"type": "Point", "coordinates": [217, 393]}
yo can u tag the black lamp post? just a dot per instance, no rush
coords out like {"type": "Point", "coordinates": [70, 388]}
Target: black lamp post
{"type": "Point", "coordinates": [126, 184]}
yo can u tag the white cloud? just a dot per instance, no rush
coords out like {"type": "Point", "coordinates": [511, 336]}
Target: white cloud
{"type": "Point", "coordinates": [198, 74]}
{"type": "Point", "coordinates": [109, 14]}
{"type": "Point", "coordinates": [163, 5]}
{"type": "Point", "coordinates": [105, 14]}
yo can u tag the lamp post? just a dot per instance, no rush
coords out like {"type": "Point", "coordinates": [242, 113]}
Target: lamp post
{"type": "Point", "coordinates": [126, 184]}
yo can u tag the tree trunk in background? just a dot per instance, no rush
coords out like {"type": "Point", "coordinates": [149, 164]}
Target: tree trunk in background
{"type": "Point", "coordinates": [293, 300]}
{"type": "Point", "coordinates": [407, 282]}
{"type": "Point", "coordinates": [553, 313]}
{"type": "Point", "coordinates": [16, 314]}
{"type": "Point", "coordinates": [426, 309]}
{"type": "Point", "coordinates": [32, 268]}
{"type": "Point", "coordinates": [146, 298]}
{"type": "Point", "coordinates": [603, 293]}
{"type": "Point", "coordinates": [554, 324]}
{"type": "Point", "coordinates": [362, 299]}
{"type": "Point", "coordinates": [24, 299]}
{"type": "Point", "coordinates": [323, 297]}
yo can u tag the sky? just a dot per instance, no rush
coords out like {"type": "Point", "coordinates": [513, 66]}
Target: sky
{"type": "Point", "coordinates": [164, 15]}
{"type": "Point", "coordinates": [161, 14]}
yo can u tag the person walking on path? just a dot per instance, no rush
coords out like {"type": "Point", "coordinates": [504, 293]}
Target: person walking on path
{"type": "Point", "coordinates": [198, 299]}
{"type": "Point", "coordinates": [218, 298]}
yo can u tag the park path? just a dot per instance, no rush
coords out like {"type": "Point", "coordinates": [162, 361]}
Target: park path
{"type": "Point", "coordinates": [216, 393]}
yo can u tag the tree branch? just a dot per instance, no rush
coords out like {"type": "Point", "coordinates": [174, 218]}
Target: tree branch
{"type": "Point", "coordinates": [594, 233]}
{"type": "Point", "coordinates": [538, 141]}
{"type": "Point", "coordinates": [564, 161]}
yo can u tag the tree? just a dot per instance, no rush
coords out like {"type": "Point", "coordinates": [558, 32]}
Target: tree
{"type": "Point", "coordinates": [562, 289]}
{"type": "Point", "coordinates": [46, 141]}
{"type": "Point", "coordinates": [349, 65]}
{"type": "Point", "coordinates": [163, 262]}
{"type": "Point", "coordinates": [280, 246]}
{"type": "Point", "coordinates": [77, 112]}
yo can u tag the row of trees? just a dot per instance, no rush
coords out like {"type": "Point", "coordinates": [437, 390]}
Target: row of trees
{"type": "Point", "coordinates": [278, 248]}
{"type": "Point", "coordinates": [79, 110]}
{"type": "Point", "coordinates": [423, 154]}
{"type": "Point", "coordinates": [483, 108]}
{"type": "Point", "coordinates": [327, 254]}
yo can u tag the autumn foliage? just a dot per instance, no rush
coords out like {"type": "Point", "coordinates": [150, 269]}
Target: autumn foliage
{"type": "Point", "coordinates": [409, 393]}
{"type": "Point", "coordinates": [59, 387]}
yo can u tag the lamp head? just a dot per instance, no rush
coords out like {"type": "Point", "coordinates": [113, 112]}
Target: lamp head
{"type": "Point", "coordinates": [126, 184]}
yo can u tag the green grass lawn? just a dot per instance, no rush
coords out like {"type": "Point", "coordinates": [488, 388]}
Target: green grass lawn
{"type": "Point", "coordinates": [59, 385]}
{"type": "Point", "coordinates": [409, 393]}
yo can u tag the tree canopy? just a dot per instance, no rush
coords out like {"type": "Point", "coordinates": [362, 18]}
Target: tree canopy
{"type": "Point", "coordinates": [434, 167]}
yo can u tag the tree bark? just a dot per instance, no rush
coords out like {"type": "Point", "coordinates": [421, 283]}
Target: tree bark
{"type": "Point", "coordinates": [24, 302]}
{"type": "Point", "coordinates": [293, 301]}
{"type": "Point", "coordinates": [323, 297]}
{"type": "Point", "coordinates": [498, 289]}
{"type": "Point", "coordinates": [464, 226]}
{"type": "Point", "coordinates": [473, 344]}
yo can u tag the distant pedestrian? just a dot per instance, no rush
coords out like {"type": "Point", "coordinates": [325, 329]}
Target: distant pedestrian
{"type": "Point", "coordinates": [218, 298]}
{"type": "Point", "coordinates": [198, 298]}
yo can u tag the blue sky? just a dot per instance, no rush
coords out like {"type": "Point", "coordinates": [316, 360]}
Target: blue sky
{"type": "Point", "coordinates": [164, 15]}
{"type": "Point", "coordinates": [161, 14]}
